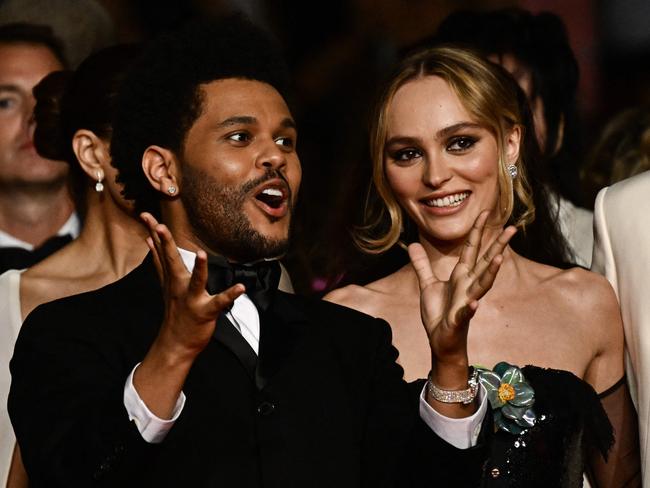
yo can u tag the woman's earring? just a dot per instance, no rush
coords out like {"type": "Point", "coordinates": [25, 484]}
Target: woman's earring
{"type": "Point", "coordinates": [99, 186]}
{"type": "Point", "coordinates": [171, 190]}
{"type": "Point", "coordinates": [512, 169]}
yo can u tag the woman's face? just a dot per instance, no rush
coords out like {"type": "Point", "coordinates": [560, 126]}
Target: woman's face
{"type": "Point", "coordinates": [441, 165]}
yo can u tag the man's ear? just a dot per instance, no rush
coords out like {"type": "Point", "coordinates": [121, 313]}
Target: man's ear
{"type": "Point", "coordinates": [161, 169]}
{"type": "Point", "coordinates": [91, 152]}
{"type": "Point", "coordinates": [513, 145]}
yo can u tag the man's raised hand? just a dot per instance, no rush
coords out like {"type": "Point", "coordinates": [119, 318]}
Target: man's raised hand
{"type": "Point", "coordinates": [190, 311]}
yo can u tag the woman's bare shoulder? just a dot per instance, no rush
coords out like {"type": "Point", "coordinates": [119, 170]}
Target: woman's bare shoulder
{"type": "Point", "coordinates": [588, 300]}
{"type": "Point", "coordinates": [51, 279]}
{"type": "Point", "coordinates": [588, 288]}
{"type": "Point", "coordinates": [369, 298]}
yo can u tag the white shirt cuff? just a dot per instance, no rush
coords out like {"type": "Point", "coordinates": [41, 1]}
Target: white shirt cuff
{"type": "Point", "coordinates": [151, 428]}
{"type": "Point", "coordinates": [461, 433]}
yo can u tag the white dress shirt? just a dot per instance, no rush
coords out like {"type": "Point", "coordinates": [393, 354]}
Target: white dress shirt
{"type": "Point", "coordinates": [72, 226]}
{"type": "Point", "coordinates": [461, 433]}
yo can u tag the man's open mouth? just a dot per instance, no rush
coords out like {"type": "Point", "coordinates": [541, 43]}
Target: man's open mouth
{"type": "Point", "coordinates": [273, 197]}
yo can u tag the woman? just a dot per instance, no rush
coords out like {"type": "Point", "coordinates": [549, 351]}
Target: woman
{"type": "Point", "coordinates": [73, 116]}
{"type": "Point", "coordinates": [446, 147]}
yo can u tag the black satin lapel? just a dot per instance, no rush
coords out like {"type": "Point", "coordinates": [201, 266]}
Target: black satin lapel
{"type": "Point", "coordinates": [280, 331]}
{"type": "Point", "coordinates": [229, 336]}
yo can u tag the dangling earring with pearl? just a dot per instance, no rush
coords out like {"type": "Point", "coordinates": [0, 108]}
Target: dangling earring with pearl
{"type": "Point", "coordinates": [99, 186]}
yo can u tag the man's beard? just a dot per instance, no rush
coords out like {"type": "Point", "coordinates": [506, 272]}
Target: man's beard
{"type": "Point", "coordinates": [216, 215]}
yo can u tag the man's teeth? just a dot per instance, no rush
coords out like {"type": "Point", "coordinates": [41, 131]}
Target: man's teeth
{"type": "Point", "coordinates": [273, 192]}
{"type": "Point", "coordinates": [448, 201]}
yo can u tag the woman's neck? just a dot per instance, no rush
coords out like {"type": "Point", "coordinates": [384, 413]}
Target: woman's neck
{"type": "Point", "coordinates": [444, 255]}
{"type": "Point", "coordinates": [112, 242]}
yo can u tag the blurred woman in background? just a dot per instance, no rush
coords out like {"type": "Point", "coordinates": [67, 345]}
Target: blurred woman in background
{"type": "Point", "coordinates": [73, 123]}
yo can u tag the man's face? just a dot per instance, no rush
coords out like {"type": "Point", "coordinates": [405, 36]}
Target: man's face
{"type": "Point", "coordinates": [22, 66]}
{"type": "Point", "coordinates": [240, 170]}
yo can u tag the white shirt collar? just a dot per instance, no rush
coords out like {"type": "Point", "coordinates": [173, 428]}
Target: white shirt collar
{"type": "Point", "coordinates": [71, 226]}
{"type": "Point", "coordinates": [243, 314]}
{"type": "Point", "coordinates": [188, 258]}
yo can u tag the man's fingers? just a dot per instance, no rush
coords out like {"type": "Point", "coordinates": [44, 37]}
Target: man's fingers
{"type": "Point", "coordinates": [421, 264]}
{"type": "Point", "coordinates": [473, 242]}
{"type": "Point", "coordinates": [224, 300]}
{"type": "Point", "coordinates": [151, 223]}
{"type": "Point", "coordinates": [156, 258]}
{"type": "Point", "coordinates": [199, 274]}
{"type": "Point", "coordinates": [170, 255]}
{"type": "Point", "coordinates": [484, 281]}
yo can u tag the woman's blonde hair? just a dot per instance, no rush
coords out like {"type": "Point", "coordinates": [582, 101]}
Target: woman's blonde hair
{"type": "Point", "coordinates": [490, 96]}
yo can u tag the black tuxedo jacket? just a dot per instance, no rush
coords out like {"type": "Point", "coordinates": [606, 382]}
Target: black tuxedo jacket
{"type": "Point", "coordinates": [323, 406]}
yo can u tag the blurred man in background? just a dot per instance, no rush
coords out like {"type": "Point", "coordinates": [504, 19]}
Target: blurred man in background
{"type": "Point", "coordinates": [35, 205]}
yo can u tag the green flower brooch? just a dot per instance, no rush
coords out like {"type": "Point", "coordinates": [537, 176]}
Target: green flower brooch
{"type": "Point", "coordinates": [510, 397]}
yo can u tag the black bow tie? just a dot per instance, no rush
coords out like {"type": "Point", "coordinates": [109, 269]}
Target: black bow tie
{"type": "Point", "coordinates": [18, 258]}
{"type": "Point", "coordinates": [260, 279]}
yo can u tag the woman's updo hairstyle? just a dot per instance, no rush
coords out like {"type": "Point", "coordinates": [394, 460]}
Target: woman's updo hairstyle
{"type": "Point", "coordinates": [67, 101]}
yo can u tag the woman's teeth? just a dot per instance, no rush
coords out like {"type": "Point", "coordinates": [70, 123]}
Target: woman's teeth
{"type": "Point", "coordinates": [448, 201]}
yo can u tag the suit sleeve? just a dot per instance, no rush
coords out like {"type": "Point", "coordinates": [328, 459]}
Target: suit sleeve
{"type": "Point", "coordinates": [603, 258]}
{"type": "Point", "coordinates": [66, 404]}
{"type": "Point", "coordinates": [399, 440]}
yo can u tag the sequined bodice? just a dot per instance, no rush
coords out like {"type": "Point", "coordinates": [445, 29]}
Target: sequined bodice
{"type": "Point", "coordinates": [552, 453]}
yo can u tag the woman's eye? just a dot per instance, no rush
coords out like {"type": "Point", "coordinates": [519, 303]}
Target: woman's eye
{"type": "Point", "coordinates": [7, 102]}
{"type": "Point", "coordinates": [406, 154]}
{"type": "Point", "coordinates": [285, 142]}
{"type": "Point", "coordinates": [460, 144]}
{"type": "Point", "coordinates": [239, 137]}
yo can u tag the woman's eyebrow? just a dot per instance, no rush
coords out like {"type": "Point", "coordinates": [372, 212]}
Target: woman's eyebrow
{"type": "Point", "coordinates": [447, 131]}
{"type": "Point", "coordinates": [401, 140]}
{"type": "Point", "coordinates": [441, 134]}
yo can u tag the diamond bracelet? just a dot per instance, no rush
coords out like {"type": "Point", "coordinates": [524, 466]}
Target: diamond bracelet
{"type": "Point", "coordinates": [465, 396]}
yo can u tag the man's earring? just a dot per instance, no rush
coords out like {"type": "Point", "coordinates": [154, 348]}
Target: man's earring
{"type": "Point", "coordinates": [171, 190]}
{"type": "Point", "coordinates": [512, 169]}
{"type": "Point", "coordinates": [99, 186]}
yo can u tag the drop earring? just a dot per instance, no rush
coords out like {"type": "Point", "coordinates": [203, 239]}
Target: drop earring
{"type": "Point", "coordinates": [99, 186]}
{"type": "Point", "coordinates": [512, 169]}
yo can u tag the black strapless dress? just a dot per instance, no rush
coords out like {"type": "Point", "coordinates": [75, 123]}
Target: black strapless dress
{"type": "Point", "coordinates": [571, 426]}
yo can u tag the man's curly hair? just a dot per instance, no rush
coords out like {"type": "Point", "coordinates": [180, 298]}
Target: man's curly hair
{"type": "Point", "coordinates": [161, 97]}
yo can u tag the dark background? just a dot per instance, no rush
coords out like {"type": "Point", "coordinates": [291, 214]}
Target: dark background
{"type": "Point", "coordinates": [340, 51]}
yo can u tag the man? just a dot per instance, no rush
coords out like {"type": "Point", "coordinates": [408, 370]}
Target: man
{"type": "Point", "coordinates": [34, 201]}
{"type": "Point", "coordinates": [622, 255]}
{"type": "Point", "coordinates": [138, 385]}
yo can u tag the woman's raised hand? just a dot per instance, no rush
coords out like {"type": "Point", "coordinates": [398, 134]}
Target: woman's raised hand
{"type": "Point", "coordinates": [447, 306]}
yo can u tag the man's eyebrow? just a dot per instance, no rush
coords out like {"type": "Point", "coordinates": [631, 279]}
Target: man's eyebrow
{"type": "Point", "coordinates": [289, 123]}
{"type": "Point", "coordinates": [447, 131]}
{"type": "Point", "coordinates": [236, 120]}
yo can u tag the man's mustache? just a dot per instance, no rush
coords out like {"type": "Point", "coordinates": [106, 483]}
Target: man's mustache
{"type": "Point", "coordinates": [269, 175]}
